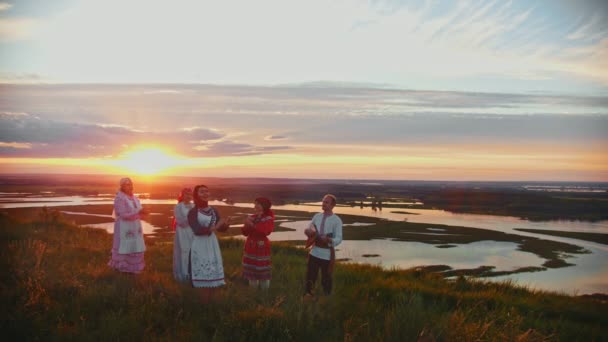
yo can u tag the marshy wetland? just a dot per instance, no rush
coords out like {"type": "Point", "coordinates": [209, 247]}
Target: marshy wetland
{"type": "Point", "coordinates": [401, 236]}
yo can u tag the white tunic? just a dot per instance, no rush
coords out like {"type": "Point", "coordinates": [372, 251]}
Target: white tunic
{"type": "Point", "coordinates": [333, 225]}
{"type": "Point", "coordinates": [182, 242]}
{"type": "Point", "coordinates": [206, 259]}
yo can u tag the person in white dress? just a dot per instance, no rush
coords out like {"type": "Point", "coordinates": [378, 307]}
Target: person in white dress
{"type": "Point", "coordinates": [206, 265]}
{"type": "Point", "coordinates": [183, 236]}
{"type": "Point", "coordinates": [128, 245]}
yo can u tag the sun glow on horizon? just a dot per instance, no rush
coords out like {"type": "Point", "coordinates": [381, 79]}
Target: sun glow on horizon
{"type": "Point", "coordinates": [149, 161]}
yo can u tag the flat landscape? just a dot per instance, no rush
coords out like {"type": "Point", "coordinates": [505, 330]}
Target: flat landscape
{"type": "Point", "coordinates": [53, 226]}
{"type": "Point", "coordinates": [493, 199]}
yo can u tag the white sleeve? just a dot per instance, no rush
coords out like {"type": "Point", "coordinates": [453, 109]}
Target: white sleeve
{"type": "Point", "coordinates": [337, 239]}
{"type": "Point", "coordinates": [180, 218]}
{"type": "Point", "coordinates": [314, 221]}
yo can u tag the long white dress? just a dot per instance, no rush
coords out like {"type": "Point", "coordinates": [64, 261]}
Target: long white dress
{"type": "Point", "coordinates": [182, 242]}
{"type": "Point", "coordinates": [205, 258]}
{"type": "Point", "coordinates": [128, 245]}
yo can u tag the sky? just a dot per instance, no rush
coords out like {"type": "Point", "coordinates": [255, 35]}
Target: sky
{"type": "Point", "coordinates": [433, 90]}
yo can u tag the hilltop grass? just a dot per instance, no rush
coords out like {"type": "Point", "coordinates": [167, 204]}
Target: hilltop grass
{"type": "Point", "coordinates": [56, 286]}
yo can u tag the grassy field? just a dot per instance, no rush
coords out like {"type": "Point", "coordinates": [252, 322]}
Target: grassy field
{"type": "Point", "coordinates": [56, 286]}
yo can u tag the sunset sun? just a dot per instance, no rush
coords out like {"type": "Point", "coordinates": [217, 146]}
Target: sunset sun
{"type": "Point", "coordinates": [149, 161]}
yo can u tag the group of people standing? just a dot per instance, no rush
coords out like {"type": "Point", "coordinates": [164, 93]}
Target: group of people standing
{"type": "Point", "coordinates": [197, 257]}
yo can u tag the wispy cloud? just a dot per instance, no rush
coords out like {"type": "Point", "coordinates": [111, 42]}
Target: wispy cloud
{"type": "Point", "coordinates": [439, 44]}
{"type": "Point", "coordinates": [161, 91]}
{"type": "Point", "coordinates": [279, 131]}
{"type": "Point", "coordinates": [23, 135]}
{"type": "Point", "coordinates": [201, 106]}
{"type": "Point", "coordinates": [19, 77]}
{"type": "Point", "coordinates": [16, 29]}
{"type": "Point", "coordinates": [13, 114]}
{"type": "Point", "coordinates": [590, 29]}
{"type": "Point", "coordinates": [227, 148]}
{"type": "Point", "coordinates": [200, 134]}
{"type": "Point", "coordinates": [15, 145]}
{"type": "Point", "coordinates": [275, 137]}
{"type": "Point", "coordinates": [346, 117]}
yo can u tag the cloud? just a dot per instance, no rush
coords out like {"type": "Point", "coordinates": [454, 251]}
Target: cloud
{"type": "Point", "coordinates": [5, 6]}
{"type": "Point", "coordinates": [226, 107]}
{"type": "Point", "coordinates": [22, 135]}
{"type": "Point", "coordinates": [195, 134]}
{"type": "Point", "coordinates": [13, 114]}
{"type": "Point", "coordinates": [19, 77]}
{"type": "Point", "coordinates": [430, 129]}
{"type": "Point", "coordinates": [15, 145]}
{"type": "Point", "coordinates": [16, 29]}
{"type": "Point", "coordinates": [227, 148]}
{"type": "Point", "coordinates": [75, 120]}
{"type": "Point", "coordinates": [360, 127]}
{"type": "Point", "coordinates": [161, 91]}
{"type": "Point", "coordinates": [275, 137]}
{"type": "Point", "coordinates": [590, 30]}
{"type": "Point", "coordinates": [47, 138]}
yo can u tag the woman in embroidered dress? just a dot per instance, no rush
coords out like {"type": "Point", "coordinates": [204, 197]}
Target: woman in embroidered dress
{"type": "Point", "coordinates": [256, 255]}
{"type": "Point", "coordinates": [128, 246]}
{"type": "Point", "coordinates": [183, 236]}
{"type": "Point", "coordinates": [206, 267]}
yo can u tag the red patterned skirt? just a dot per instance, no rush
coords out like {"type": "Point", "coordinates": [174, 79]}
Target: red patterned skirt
{"type": "Point", "coordinates": [256, 259]}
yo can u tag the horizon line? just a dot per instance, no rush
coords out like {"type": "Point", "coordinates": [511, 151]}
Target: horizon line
{"type": "Point", "coordinates": [306, 179]}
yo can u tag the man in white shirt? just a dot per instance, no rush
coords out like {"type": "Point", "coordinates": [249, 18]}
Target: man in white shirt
{"type": "Point", "coordinates": [325, 231]}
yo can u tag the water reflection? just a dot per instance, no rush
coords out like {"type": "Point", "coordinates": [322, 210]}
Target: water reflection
{"type": "Point", "coordinates": [433, 216]}
{"type": "Point", "coordinates": [590, 275]}
{"type": "Point", "coordinates": [502, 223]}
{"type": "Point", "coordinates": [505, 224]}
{"type": "Point", "coordinates": [404, 254]}
{"type": "Point", "coordinates": [109, 227]}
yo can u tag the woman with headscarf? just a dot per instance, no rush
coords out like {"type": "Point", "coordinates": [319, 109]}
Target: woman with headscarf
{"type": "Point", "coordinates": [128, 246]}
{"type": "Point", "coordinates": [206, 266]}
{"type": "Point", "coordinates": [256, 255]}
{"type": "Point", "coordinates": [183, 236]}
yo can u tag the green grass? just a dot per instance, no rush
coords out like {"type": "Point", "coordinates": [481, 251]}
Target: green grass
{"type": "Point", "coordinates": [56, 286]}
